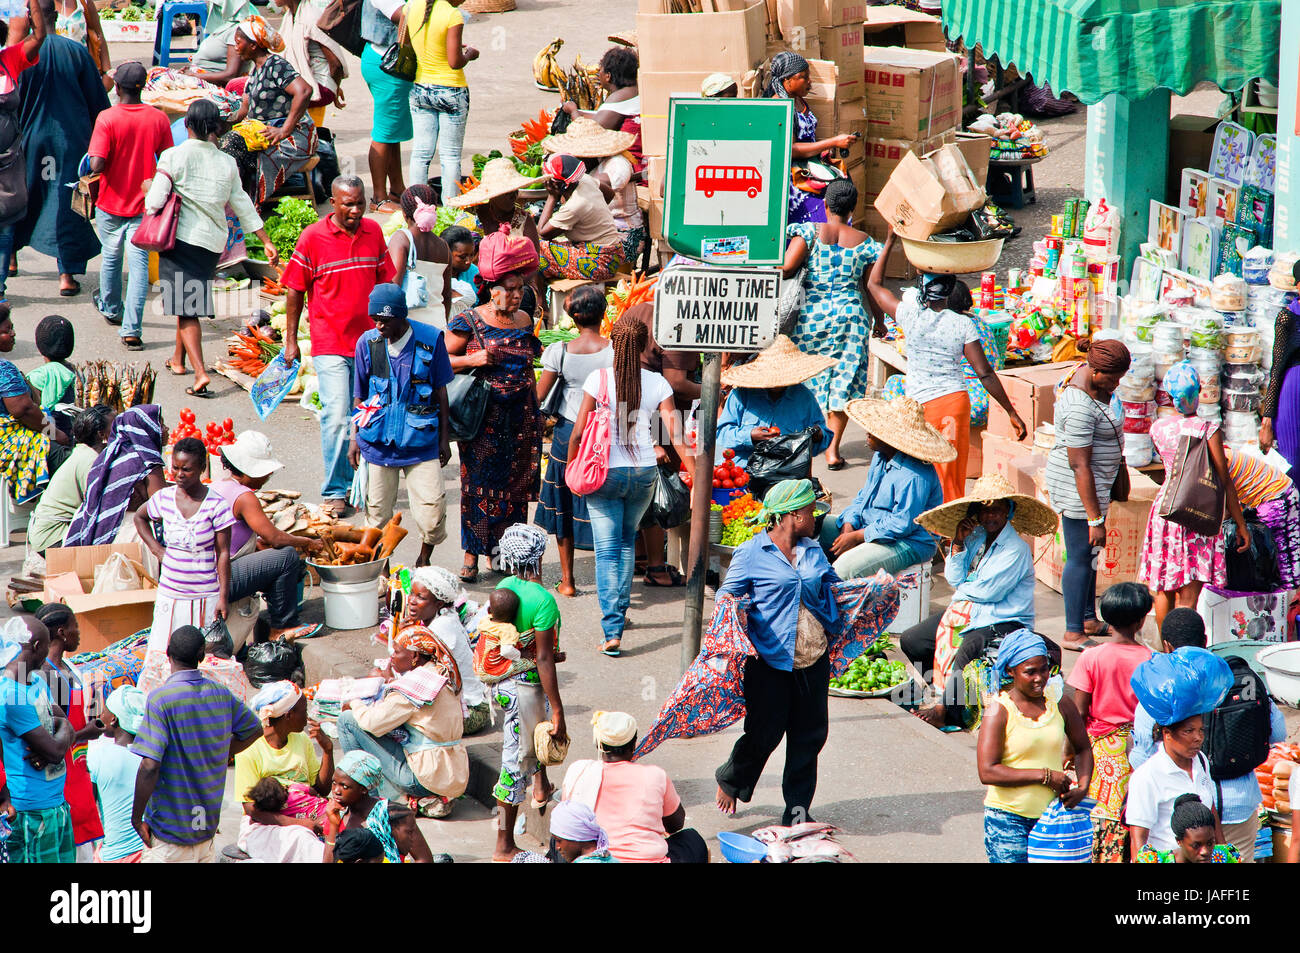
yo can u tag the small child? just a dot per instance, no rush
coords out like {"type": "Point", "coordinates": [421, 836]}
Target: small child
{"type": "Point", "coordinates": [498, 639]}
{"type": "Point", "coordinates": [55, 379]}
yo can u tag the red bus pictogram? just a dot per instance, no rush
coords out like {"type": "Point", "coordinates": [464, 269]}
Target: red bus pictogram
{"type": "Point", "coordinates": [728, 178]}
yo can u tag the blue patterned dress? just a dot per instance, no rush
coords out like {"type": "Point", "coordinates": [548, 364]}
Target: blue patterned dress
{"type": "Point", "coordinates": [834, 319]}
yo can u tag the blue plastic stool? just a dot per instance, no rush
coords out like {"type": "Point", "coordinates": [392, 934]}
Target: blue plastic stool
{"type": "Point", "coordinates": [162, 43]}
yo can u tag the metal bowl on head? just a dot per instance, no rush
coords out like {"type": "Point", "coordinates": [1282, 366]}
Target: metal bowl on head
{"type": "Point", "coordinates": [952, 258]}
{"type": "Point", "coordinates": [361, 572]}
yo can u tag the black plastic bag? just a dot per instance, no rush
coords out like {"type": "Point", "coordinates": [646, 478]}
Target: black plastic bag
{"type": "Point", "coordinates": [217, 640]}
{"type": "Point", "coordinates": [787, 457]}
{"type": "Point", "coordinates": [268, 662]}
{"type": "Point", "coordinates": [1255, 570]}
{"type": "Point", "coordinates": [671, 504]}
{"type": "Point", "coordinates": [327, 169]}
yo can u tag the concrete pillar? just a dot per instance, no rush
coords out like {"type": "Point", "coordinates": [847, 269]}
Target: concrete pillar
{"type": "Point", "coordinates": [1286, 210]}
{"type": "Point", "coordinates": [1127, 150]}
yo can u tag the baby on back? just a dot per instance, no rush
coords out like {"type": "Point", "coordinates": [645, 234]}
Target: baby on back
{"type": "Point", "coordinates": [498, 639]}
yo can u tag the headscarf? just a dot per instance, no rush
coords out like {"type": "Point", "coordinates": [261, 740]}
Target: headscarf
{"type": "Point", "coordinates": [612, 729]}
{"type": "Point", "coordinates": [573, 820]}
{"type": "Point", "coordinates": [784, 65]}
{"type": "Point", "coordinates": [356, 844]}
{"type": "Point", "coordinates": [274, 700]}
{"type": "Point", "coordinates": [1183, 385]}
{"type": "Point", "coordinates": [127, 705]}
{"type": "Point", "coordinates": [936, 288]}
{"type": "Point", "coordinates": [1019, 646]}
{"type": "Point", "coordinates": [260, 32]}
{"type": "Point", "coordinates": [563, 168]}
{"type": "Point", "coordinates": [13, 637]}
{"type": "Point", "coordinates": [134, 448]}
{"type": "Point", "coordinates": [502, 253]}
{"type": "Point", "coordinates": [418, 639]}
{"type": "Point", "coordinates": [786, 497]}
{"type": "Point", "coordinates": [362, 768]}
{"type": "Point", "coordinates": [1107, 356]}
{"type": "Point", "coordinates": [521, 548]}
{"type": "Point", "coordinates": [441, 583]}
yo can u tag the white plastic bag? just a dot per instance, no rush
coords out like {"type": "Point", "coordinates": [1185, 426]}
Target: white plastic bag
{"type": "Point", "coordinates": [117, 574]}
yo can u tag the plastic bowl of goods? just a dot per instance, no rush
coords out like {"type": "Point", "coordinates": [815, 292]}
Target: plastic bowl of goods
{"type": "Point", "coordinates": [1243, 400]}
{"type": "Point", "coordinates": [729, 480]}
{"type": "Point", "coordinates": [953, 258]}
{"type": "Point", "coordinates": [1241, 337]}
{"type": "Point", "coordinates": [1241, 376]}
{"type": "Point", "coordinates": [1281, 664]}
{"type": "Point", "coordinates": [1241, 353]}
{"type": "Point", "coordinates": [1208, 411]}
{"type": "Point", "coordinates": [741, 848]}
{"type": "Point", "coordinates": [1210, 390]}
{"type": "Point", "coordinates": [1137, 391]}
{"type": "Point", "coordinates": [356, 573]}
{"type": "Point", "coordinates": [1138, 449]}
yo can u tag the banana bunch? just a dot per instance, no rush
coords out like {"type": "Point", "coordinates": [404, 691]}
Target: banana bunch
{"type": "Point", "coordinates": [580, 85]}
{"type": "Point", "coordinates": [547, 73]}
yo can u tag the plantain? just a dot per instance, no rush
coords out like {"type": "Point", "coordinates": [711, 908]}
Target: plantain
{"type": "Point", "coordinates": [546, 71]}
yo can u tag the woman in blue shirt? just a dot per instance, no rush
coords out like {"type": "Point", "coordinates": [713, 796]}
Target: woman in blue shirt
{"type": "Point", "coordinates": [790, 610]}
{"type": "Point", "coordinates": [770, 400]}
{"type": "Point", "coordinates": [878, 530]}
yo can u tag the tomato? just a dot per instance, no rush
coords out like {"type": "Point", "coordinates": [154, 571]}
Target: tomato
{"type": "Point", "coordinates": [728, 453]}
{"type": "Point", "coordinates": [719, 473]}
{"type": "Point", "coordinates": [777, 429]}
{"type": "Point", "coordinates": [228, 425]}
{"type": "Point", "coordinates": [187, 415]}
{"type": "Point", "coordinates": [717, 484]}
{"type": "Point", "coordinates": [742, 479]}
{"type": "Point", "coordinates": [728, 485]}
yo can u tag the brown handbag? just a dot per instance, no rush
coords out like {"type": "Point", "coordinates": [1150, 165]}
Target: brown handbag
{"type": "Point", "coordinates": [1120, 489]}
{"type": "Point", "coordinates": [85, 195]}
{"type": "Point", "coordinates": [1193, 497]}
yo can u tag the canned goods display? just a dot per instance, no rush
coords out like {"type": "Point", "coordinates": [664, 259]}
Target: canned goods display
{"type": "Point", "coordinates": [1057, 222]}
{"type": "Point", "coordinates": [1081, 216]}
{"type": "Point", "coordinates": [1067, 219]}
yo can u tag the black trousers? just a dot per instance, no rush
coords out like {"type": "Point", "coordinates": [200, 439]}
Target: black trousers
{"type": "Point", "coordinates": [687, 847]}
{"type": "Point", "coordinates": [781, 704]}
{"type": "Point", "coordinates": [275, 573]}
{"type": "Point", "coordinates": [917, 643]}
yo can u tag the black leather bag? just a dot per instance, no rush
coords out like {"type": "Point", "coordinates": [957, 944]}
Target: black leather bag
{"type": "Point", "coordinates": [341, 22]}
{"type": "Point", "coordinates": [467, 398]}
{"type": "Point", "coordinates": [1257, 569]}
{"type": "Point", "coordinates": [553, 405]}
{"type": "Point", "coordinates": [787, 457]}
{"type": "Point", "coordinates": [399, 59]}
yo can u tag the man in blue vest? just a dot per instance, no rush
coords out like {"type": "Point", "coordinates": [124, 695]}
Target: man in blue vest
{"type": "Point", "coordinates": [401, 372]}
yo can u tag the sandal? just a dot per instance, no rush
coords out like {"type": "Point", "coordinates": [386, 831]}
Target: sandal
{"type": "Point", "coordinates": [181, 372]}
{"type": "Point", "coordinates": [1088, 643]}
{"type": "Point", "coordinates": [386, 207]}
{"type": "Point", "coordinates": [839, 464]}
{"type": "Point", "coordinates": [469, 574]}
{"type": "Point", "coordinates": [200, 392]}
{"type": "Point", "coordinates": [675, 579]}
{"type": "Point", "coordinates": [133, 344]}
{"type": "Point", "coordinates": [612, 648]}
{"type": "Point", "coordinates": [71, 292]}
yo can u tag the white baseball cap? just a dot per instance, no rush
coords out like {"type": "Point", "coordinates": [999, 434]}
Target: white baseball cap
{"type": "Point", "coordinates": [251, 455]}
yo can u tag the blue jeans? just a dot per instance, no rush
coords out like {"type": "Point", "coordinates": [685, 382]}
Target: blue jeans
{"type": "Point", "coordinates": [1006, 835]}
{"type": "Point", "coordinates": [616, 510]}
{"type": "Point", "coordinates": [439, 115]}
{"type": "Point", "coordinates": [399, 780]}
{"type": "Point", "coordinates": [1079, 575]}
{"type": "Point", "coordinates": [115, 233]}
{"type": "Point", "coordinates": [334, 376]}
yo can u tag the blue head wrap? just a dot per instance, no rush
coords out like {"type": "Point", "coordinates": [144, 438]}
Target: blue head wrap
{"type": "Point", "coordinates": [1019, 646]}
{"type": "Point", "coordinates": [362, 768]}
{"type": "Point", "coordinates": [1189, 682]}
{"type": "Point", "coordinates": [1183, 385]}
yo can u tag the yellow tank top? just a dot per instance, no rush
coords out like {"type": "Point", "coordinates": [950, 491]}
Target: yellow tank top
{"type": "Point", "coordinates": [1033, 744]}
{"type": "Point", "coordinates": [430, 42]}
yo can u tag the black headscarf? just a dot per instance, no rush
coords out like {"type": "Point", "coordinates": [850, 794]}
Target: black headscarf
{"type": "Point", "coordinates": [784, 65]}
{"type": "Point", "coordinates": [356, 844]}
{"type": "Point", "coordinates": [936, 288]}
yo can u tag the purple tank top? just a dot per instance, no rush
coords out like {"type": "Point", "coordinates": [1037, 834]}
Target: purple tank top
{"type": "Point", "coordinates": [230, 491]}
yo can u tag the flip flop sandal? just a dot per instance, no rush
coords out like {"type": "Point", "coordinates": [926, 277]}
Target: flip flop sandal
{"type": "Point", "coordinates": [1088, 643]}
{"type": "Point", "coordinates": [674, 577]}
{"type": "Point", "coordinates": [541, 805]}
{"type": "Point", "coordinates": [200, 392]}
{"type": "Point", "coordinates": [71, 292]}
{"type": "Point", "coordinates": [837, 465]}
{"type": "Point", "coordinates": [1103, 632]}
{"type": "Point", "coordinates": [468, 575]}
{"type": "Point", "coordinates": [614, 652]}
{"type": "Point", "coordinates": [133, 344]}
{"type": "Point", "coordinates": [172, 368]}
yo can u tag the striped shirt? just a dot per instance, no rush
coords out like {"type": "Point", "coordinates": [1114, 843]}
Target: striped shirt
{"type": "Point", "coordinates": [337, 272]}
{"type": "Point", "coordinates": [1081, 421]}
{"type": "Point", "coordinates": [188, 726]}
{"type": "Point", "coordinates": [189, 566]}
{"type": "Point", "coordinates": [1256, 481]}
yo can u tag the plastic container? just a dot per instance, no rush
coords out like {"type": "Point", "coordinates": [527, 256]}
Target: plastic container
{"type": "Point", "coordinates": [1138, 449]}
{"type": "Point", "coordinates": [1138, 424]}
{"type": "Point", "coordinates": [1241, 376]}
{"type": "Point", "coordinates": [1241, 336]}
{"type": "Point", "coordinates": [741, 848]}
{"type": "Point", "coordinates": [1247, 401]}
{"type": "Point", "coordinates": [1228, 293]}
{"type": "Point", "coordinates": [1137, 391]}
{"type": "Point", "coordinates": [1241, 354]}
{"type": "Point", "coordinates": [1166, 336]}
{"type": "Point", "coordinates": [1241, 420]}
{"type": "Point", "coordinates": [1210, 391]}
{"type": "Point", "coordinates": [1208, 411]}
{"type": "Point", "coordinates": [1255, 265]}
{"type": "Point", "coordinates": [351, 605]}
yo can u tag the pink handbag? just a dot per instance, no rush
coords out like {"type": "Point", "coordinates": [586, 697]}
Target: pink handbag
{"type": "Point", "coordinates": [157, 230]}
{"type": "Point", "coordinates": [587, 471]}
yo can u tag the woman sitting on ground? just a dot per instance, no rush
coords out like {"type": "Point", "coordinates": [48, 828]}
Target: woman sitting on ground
{"type": "Point", "coordinates": [429, 766]}
{"type": "Point", "coordinates": [769, 400]}
{"type": "Point", "coordinates": [31, 447]}
{"type": "Point", "coordinates": [265, 836]}
{"type": "Point", "coordinates": [1193, 826]}
{"type": "Point", "coordinates": [354, 804]}
{"type": "Point", "coordinates": [355, 846]}
{"type": "Point", "coordinates": [579, 237]}
{"type": "Point", "coordinates": [576, 838]}
{"type": "Point", "coordinates": [285, 752]}
{"type": "Point", "coordinates": [66, 490]}
{"type": "Point", "coordinates": [127, 472]}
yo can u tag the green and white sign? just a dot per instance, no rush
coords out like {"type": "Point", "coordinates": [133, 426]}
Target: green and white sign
{"type": "Point", "coordinates": [728, 179]}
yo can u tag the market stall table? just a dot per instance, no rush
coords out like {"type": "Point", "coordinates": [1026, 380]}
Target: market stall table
{"type": "Point", "coordinates": [1021, 174]}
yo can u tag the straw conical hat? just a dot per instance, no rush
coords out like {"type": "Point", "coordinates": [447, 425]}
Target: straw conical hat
{"type": "Point", "coordinates": [780, 364]}
{"type": "Point", "coordinates": [1031, 516]}
{"type": "Point", "coordinates": [901, 423]}
{"type": "Point", "coordinates": [499, 177]}
{"type": "Point", "coordinates": [587, 139]}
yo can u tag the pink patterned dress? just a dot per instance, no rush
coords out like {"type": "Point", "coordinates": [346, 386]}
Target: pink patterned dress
{"type": "Point", "coordinates": [1172, 555]}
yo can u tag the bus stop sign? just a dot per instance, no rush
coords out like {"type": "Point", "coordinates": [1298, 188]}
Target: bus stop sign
{"type": "Point", "coordinates": [728, 179]}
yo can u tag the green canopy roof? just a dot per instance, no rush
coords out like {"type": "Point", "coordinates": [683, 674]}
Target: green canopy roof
{"type": "Point", "coordinates": [1093, 48]}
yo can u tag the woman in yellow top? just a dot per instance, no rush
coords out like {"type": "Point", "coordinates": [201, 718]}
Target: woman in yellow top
{"type": "Point", "coordinates": [1020, 750]}
{"type": "Point", "coordinates": [285, 752]}
{"type": "Point", "coordinates": [440, 96]}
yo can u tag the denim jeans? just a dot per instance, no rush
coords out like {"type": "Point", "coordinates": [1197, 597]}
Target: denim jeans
{"type": "Point", "coordinates": [115, 233]}
{"type": "Point", "coordinates": [866, 559]}
{"type": "Point", "coordinates": [1006, 836]}
{"type": "Point", "coordinates": [1079, 575]}
{"type": "Point", "coordinates": [334, 376]}
{"type": "Point", "coordinates": [399, 780]}
{"type": "Point", "coordinates": [616, 510]}
{"type": "Point", "coordinates": [439, 115]}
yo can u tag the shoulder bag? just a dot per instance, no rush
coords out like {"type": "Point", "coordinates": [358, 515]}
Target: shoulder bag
{"type": "Point", "coordinates": [157, 230]}
{"type": "Point", "coordinates": [399, 60]}
{"type": "Point", "coordinates": [85, 195]}
{"type": "Point", "coordinates": [553, 405]}
{"type": "Point", "coordinates": [589, 468]}
{"type": "Point", "coordinates": [341, 22]}
{"type": "Point", "coordinates": [1192, 496]}
{"type": "Point", "coordinates": [467, 397]}
{"type": "Point", "coordinates": [1119, 490]}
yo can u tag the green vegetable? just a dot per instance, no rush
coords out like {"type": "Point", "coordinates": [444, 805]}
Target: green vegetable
{"type": "Point", "coordinates": [481, 160]}
{"type": "Point", "coordinates": [447, 217]}
{"type": "Point", "coordinates": [131, 13]}
{"type": "Point", "coordinates": [291, 217]}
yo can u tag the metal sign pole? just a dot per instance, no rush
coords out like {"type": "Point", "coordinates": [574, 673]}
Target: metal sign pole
{"type": "Point", "coordinates": [693, 622]}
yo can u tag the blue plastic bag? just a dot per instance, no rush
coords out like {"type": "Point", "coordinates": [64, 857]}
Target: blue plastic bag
{"type": "Point", "coordinates": [273, 385]}
{"type": "Point", "coordinates": [1189, 682]}
{"type": "Point", "coordinates": [1061, 835]}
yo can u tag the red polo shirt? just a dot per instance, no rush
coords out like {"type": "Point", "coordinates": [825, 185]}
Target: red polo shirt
{"type": "Point", "coordinates": [337, 272]}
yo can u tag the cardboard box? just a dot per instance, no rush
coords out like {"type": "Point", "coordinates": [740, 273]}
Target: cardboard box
{"type": "Point", "coordinates": [883, 156]}
{"type": "Point", "coordinates": [927, 195]}
{"type": "Point", "coordinates": [656, 172]}
{"type": "Point", "coordinates": [976, 148]}
{"type": "Point", "coordinates": [708, 42]}
{"type": "Point", "coordinates": [975, 459]}
{"type": "Point", "coordinates": [869, 220]}
{"type": "Point", "coordinates": [840, 12]}
{"type": "Point", "coordinates": [822, 98]}
{"type": "Point", "coordinates": [656, 217]}
{"type": "Point", "coordinates": [1018, 463]}
{"type": "Point", "coordinates": [656, 90]}
{"type": "Point", "coordinates": [106, 618]}
{"type": "Point", "coordinates": [797, 25]}
{"type": "Point", "coordinates": [1229, 617]}
{"type": "Point", "coordinates": [1126, 526]}
{"type": "Point", "coordinates": [1032, 391]}
{"type": "Point", "coordinates": [898, 26]}
{"type": "Point", "coordinates": [842, 45]}
{"type": "Point", "coordinates": [911, 94]}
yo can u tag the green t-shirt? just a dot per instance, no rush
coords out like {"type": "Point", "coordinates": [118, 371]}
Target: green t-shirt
{"type": "Point", "coordinates": [538, 610]}
{"type": "Point", "coordinates": [54, 380]}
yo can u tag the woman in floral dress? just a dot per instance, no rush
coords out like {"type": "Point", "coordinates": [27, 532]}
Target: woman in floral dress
{"type": "Point", "coordinates": [1176, 561]}
{"type": "Point", "coordinates": [833, 320]}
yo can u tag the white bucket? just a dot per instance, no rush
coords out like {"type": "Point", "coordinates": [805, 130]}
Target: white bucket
{"type": "Point", "coordinates": [351, 605]}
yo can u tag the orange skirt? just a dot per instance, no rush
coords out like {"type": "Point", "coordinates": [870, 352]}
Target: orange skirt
{"type": "Point", "coordinates": [950, 415]}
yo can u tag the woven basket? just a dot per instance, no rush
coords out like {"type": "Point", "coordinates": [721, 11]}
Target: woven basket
{"type": "Point", "coordinates": [488, 6]}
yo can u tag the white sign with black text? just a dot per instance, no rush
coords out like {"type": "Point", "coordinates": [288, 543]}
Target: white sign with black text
{"type": "Point", "coordinates": [700, 308]}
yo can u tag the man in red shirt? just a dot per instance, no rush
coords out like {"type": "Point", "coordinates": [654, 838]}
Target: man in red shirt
{"type": "Point", "coordinates": [124, 147]}
{"type": "Point", "coordinates": [336, 264]}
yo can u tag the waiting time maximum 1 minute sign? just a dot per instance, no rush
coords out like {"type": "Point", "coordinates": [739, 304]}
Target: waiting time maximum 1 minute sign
{"type": "Point", "coordinates": [717, 309]}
